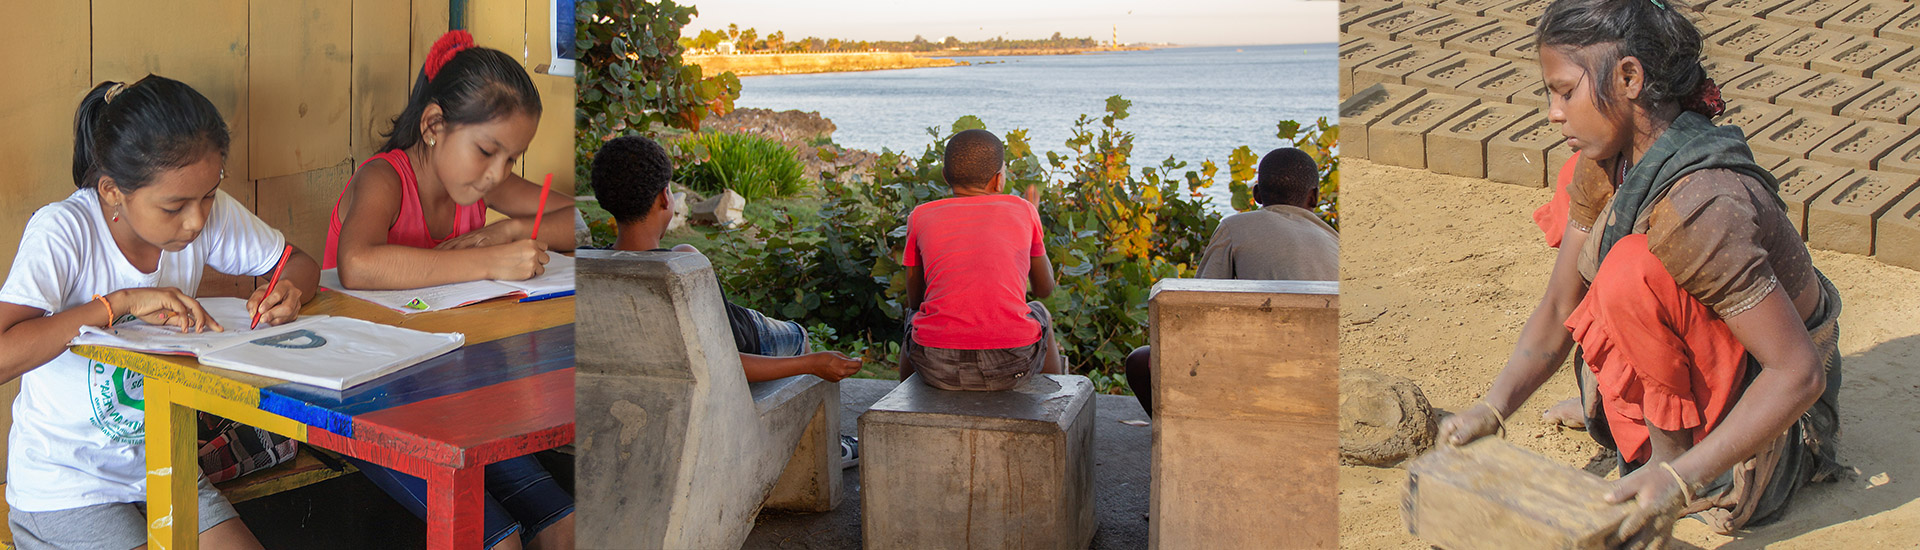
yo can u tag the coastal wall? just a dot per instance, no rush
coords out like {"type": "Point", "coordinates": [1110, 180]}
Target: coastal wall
{"type": "Point", "coordinates": [801, 63]}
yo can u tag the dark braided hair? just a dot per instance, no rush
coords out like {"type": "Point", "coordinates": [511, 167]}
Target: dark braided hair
{"type": "Point", "coordinates": [1652, 31]}
{"type": "Point", "coordinates": [472, 85]}
{"type": "Point", "coordinates": [132, 131]}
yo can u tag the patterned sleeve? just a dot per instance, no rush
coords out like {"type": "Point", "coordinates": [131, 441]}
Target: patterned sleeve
{"type": "Point", "coordinates": [1587, 194]}
{"type": "Point", "coordinates": [1707, 234]}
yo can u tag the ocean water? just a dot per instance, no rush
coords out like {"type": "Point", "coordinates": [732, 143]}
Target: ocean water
{"type": "Point", "coordinates": [1193, 104]}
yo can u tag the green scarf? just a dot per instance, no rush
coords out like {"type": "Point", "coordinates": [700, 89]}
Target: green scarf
{"type": "Point", "coordinates": [1692, 143]}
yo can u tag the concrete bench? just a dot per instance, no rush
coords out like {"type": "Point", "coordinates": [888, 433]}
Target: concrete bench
{"type": "Point", "coordinates": [955, 469]}
{"type": "Point", "coordinates": [1245, 434]}
{"type": "Point", "coordinates": [681, 450]}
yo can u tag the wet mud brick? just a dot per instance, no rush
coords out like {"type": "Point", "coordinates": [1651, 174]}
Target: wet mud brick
{"type": "Point", "coordinates": [1858, 57]}
{"type": "Point", "coordinates": [1863, 144]}
{"type": "Point", "coordinates": [1357, 11]}
{"type": "Point", "coordinates": [1745, 8]}
{"type": "Point", "coordinates": [1400, 138]}
{"type": "Point", "coordinates": [1388, 24]}
{"type": "Point", "coordinates": [1771, 161]}
{"type": "Point", "coordinates": [1450, 75]}
{"type": "Point", "coordinates": [1519, 154]}
{"type": "Point", "coordinates": [1904, 27]}
{"type": "Point", "coordinates": [1524, 11]}
{"type": "Point", "coordinates": [1765, 83]}
{"type": "Point", "coordinates": [1708, 23]}
{"type": "Point", "coordinates": [1724, 71]}
{"type": "Point", "coordinates": [1393, 68]}
{"type": "Point", "coordinates": [1797, 134]}
{"type": "Point", "coordinates": [1865, 18]}
{"type": "Point", "coordinates": [1905, 159]}
{"type": "Point", "coordinates": [1520, 50]}
{"type": "Point", "coordinates": [1752, 116]}
{"type": "Point", "coordinates": [1459, 146]}
{"type": "Point", "coordinates": [1469, 7]}
{"type": "Point", "coordinates": [1506, 84]}
{"type": "Point", "coordinates": [1358, 52]}
{"type": "Point", "coordinates": [1808, 13]}
{"type": "Point", "coordinates": [1433, 33]}
{"type": "Point", "coordinates": [1746, 39]}
{"type": "Point", "coordinates": [1367, 106]}
{"type": "Point", "coordinates": [1897, 234]}
{"type": "Point", "coordinates": [1801, 181]}
{"type": "Point", "coordinates": [1889, 102]}
{"type": "Point", "coordinates": [1489, 39]}
{"type": "Point", "coordinates": [1800, 48]}
{"type": "Point", "coordinates": [1842, 219]}
{"type": "Point", "coordinates": [1826, 93]}
{"type": "Point", "coordinates": [1491, 494]}
{"type": "Point", "coordinates": [1905, 68]}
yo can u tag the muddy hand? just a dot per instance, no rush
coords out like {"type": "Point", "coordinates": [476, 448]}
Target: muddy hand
{"type": "Point", "coordinates": [1657, 501]}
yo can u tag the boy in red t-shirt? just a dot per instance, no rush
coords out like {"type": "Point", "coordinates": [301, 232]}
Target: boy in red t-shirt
{"type": "Point", "coordinates": [969, 261]}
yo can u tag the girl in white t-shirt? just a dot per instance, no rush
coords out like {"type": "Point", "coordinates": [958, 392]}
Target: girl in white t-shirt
{"type": "Point", "coordinates": [131, 243]}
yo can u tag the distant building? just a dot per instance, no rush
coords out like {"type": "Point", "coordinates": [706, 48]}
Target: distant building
{"type": "Point", "coordinates": [726, 48]}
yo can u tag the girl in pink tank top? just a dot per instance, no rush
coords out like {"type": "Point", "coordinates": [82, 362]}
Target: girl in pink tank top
{"type": "Point", "coordinates": [414, 215]}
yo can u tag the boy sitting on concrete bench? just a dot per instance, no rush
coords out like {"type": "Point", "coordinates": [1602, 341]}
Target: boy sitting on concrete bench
{"type": "Point", "coordinates": [970, 259]}
{"type": "Point", "coordinates": [630, 176]}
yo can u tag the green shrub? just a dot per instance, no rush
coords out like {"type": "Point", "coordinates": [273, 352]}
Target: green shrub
{"type": "Point", "coordinates": [756, 167]}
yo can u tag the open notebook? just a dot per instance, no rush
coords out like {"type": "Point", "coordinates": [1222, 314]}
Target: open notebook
{"type": "Point", "coordinates": [556, 282]}
{"type": "Point", "coordinates": [330, 352]}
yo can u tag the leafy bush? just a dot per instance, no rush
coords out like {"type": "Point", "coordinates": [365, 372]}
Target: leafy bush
{"type": "Point", "coordinates": [1110, 233]}
{"type": "Point", "coordinates": [756, 167]}
{"type": "Point", "coordinates": [632, 78]}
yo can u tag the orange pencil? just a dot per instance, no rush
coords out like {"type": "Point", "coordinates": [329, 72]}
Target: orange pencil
{"type": "Point", "coordinates": [288, 253]}
{"type": "Point", "coordinates": [544, 189]}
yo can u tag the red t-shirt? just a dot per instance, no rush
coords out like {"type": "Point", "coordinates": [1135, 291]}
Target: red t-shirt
{"type": "Point", "coordinates": [976, 252]}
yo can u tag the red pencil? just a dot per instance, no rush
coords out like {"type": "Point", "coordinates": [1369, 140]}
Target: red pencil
{"type": "Point", "coordinates": [288, 253]}
{"type": "Point", "coordinates": [544, 189]}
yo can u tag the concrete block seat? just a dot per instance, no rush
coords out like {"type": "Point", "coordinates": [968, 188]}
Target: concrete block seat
{"type": "Point", "coordinates": [956, 469]}
{"type": "Point", "coordinates": [681, 450]}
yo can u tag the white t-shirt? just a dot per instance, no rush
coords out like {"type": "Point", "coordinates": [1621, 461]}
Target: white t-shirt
{"type": "Point", "coordinates": [79, 427]}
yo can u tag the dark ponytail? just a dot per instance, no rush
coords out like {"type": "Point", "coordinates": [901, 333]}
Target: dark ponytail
{"type": "Point", "coordinates": [472, 85]}
{"type": "Point", "coordinates": [130, 132]}
{"type": "Point", "coordinates": [1652, 31]}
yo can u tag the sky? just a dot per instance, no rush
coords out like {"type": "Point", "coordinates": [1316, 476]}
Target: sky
{"type": "Point", "coordinates": [1188, 22]}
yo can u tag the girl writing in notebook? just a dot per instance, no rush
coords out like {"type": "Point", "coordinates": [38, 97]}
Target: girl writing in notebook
{"type": "Point", "coordinates": [415, 216]}
{"type": "Point", "coordinates": [131, 243]}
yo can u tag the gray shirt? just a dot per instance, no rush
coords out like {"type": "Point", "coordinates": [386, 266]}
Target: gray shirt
{"type": "Point", "coordinates": [1279, 242]}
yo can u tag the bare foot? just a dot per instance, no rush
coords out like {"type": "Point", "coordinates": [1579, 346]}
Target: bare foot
{"type": "Point", "coordinates": [1567, 413]}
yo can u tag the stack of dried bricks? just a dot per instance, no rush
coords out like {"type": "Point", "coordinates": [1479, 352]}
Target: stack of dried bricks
{"type": "Point", "coordinates": [1827, 91]}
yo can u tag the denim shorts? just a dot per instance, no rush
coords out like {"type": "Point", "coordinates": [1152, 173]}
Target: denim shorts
{"type": "Point", "coordinates": [780, 338]}
{"type": "Point", "coordinates": [979, 369]}
{"type": "Point", "coordinates": [521, 496]}
{"type": "Point", "coordinates": [112, 526]}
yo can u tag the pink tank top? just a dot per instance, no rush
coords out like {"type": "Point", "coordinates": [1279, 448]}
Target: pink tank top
{"type": "Point", "coordinates": [410, 227]}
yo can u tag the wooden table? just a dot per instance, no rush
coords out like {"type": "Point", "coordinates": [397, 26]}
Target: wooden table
{"type": "Point", "coordinates": [507, 393]}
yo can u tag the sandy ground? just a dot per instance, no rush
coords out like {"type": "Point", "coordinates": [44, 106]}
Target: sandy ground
{"type": "Point", "coordinates": [1439, 274]}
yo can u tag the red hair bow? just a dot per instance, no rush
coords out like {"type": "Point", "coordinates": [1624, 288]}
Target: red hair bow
{"type": "Point", "coordinates": [444, 49]}
{"type": "Point", "coordinates": [1706, 100]}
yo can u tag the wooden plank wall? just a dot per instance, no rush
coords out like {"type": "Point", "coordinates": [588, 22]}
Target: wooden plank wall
{"type": "Point", "coordinates": [307, 87]}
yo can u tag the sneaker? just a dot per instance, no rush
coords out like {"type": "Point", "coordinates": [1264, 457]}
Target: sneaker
{"type": "Point", "coordinates": [849, 451]}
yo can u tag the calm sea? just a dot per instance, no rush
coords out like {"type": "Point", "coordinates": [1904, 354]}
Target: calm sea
{"type": "Point", "coordinates": [1190, 103]}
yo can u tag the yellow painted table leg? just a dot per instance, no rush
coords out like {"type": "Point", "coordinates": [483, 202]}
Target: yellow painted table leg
{"type": "Point", "coordinates": [173, 471]}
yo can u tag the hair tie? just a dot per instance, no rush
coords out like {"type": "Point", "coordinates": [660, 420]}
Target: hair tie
{"type": "Point", "coordinates": [1706, 100]}
{"type": "Point", "coordinates": [1659, 4]}
{"type": "Point", "coordinates": [114, 91]}
{"type": "Point", "coordinates": [444, 49]}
